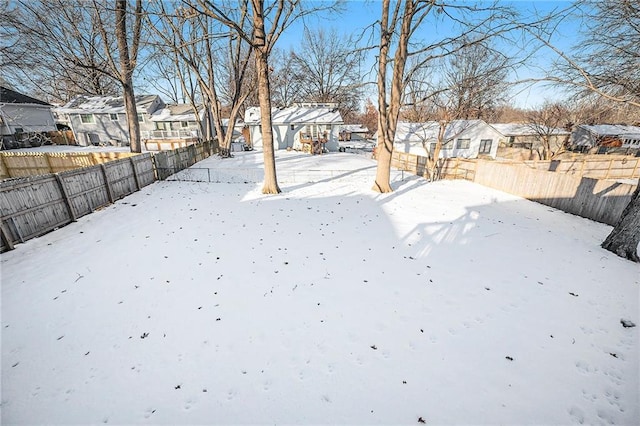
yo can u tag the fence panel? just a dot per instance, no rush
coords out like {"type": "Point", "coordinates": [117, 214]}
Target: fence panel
{"type": "Point", "coordinates": [143, 167]}
{"type": "Point", "coordinates": [121, 177]}
{"type": "Point", "coordinates": [86, 190]}
{"type": "Point", "coordinates": [31, 207]}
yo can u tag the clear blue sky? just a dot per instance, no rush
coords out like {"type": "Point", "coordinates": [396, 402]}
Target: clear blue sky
{"type": "Point", "coordinates": [359, 15]}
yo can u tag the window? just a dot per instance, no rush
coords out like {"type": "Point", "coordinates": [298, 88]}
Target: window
{"type": "Point", "coordinates": [293, 127]}
{"type": "Point", "coordinates": [184, 124]}
{"type": "Point", "coordinates": [113, 117]}
{"type": "Point", "coordinates": [86, 118]}
{"type": "Point", "coordinates": [447, 145]}
{"type": "Point", "coordinates": [140, 118]}
{"type": "Point", "coordinates": [463, 143]}
{"type": "Point", "coordinates": [485, 146]}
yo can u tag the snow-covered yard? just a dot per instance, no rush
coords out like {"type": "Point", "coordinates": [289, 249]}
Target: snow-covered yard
{"type": "Point", "coordinates": [202, 303]}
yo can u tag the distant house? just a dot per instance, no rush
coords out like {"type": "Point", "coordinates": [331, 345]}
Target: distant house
{"type": "Point", "coordinates": [23, 114]}
{"type": "Point", "coordinates": [517, 135]}
{"type": "Point", "coordinates": [585, 137]}
{"type": "Point", "coordinates": [174, 126]}
{"type": "Point", "coordinates": [462, 138]}
{"type": "Point", "coordinates": [298, 125]}
{"type": "Point", "coordinates": [353, 132]}
{"type": "Point", "coordinates": [102, 119]}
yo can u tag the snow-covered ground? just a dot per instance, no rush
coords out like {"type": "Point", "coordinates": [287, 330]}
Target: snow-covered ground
{"type": "Point", "coordinates": [204, 303]}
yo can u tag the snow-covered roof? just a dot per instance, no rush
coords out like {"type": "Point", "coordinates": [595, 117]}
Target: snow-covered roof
{"type": "Point", "coordinates": [523, 129]}
{"type": "Point", "coordinates": [300, 115]}
{"type": "Point", "coordinates": [428, 131]}
{"type": "Point", "coordinates": [353, 128]}
{"type": "Point", "coordinates": [105, 104]}
{"type": "Point", "coordinates": [8, 96]}
{"type": "Point", "coordinates": [175, 112]}
{"type": "Point", "coordinates": [620, 130]}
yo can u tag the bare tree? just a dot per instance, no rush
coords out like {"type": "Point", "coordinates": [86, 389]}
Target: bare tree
{"type": "Point", "coordinates": [128, 45]}
{"type": "Point", "coordinates": [327, 69]}
{"type": "Point", "coordinates": [269, 20]}
{"type": "Point", "coordinates": [399, 25]}
{"type": "Point", "coordinates": [53, 48]}
{"type": "Point", "coordinates": [285, 90]}
{"type": "Point", "coordinates": [546, 122]}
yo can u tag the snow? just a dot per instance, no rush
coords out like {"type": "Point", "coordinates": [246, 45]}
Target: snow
{"type": "Point", "coordinates": [191, 302]}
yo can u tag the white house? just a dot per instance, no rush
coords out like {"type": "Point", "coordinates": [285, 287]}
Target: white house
{"type": "Point", "coordinates": [462, 138]}
{"type": "Point", "coordinates": [519, 135]}
{"type": "Point", "coordinates": [23, 114]}
{"type": "Point", "coordinates": [294, 125]}
{"type": "Point", "coordinates": [585, 137]}
{"type": "Point", "coordinates": [103, 120]}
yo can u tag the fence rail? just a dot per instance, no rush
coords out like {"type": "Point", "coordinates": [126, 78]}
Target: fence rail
{"type": "Point", "coordinates": [32, 206]}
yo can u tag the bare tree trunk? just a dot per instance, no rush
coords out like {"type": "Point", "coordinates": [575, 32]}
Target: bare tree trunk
{"type": "Point", "coordinates": [126, 71]}
{"type": "Point", "coordinates": [624, 240]}
{"type": "Point", "coordinates": [384, 151]}
{"type": "Point", "coordinates": [264, 95]}
{"type": "Point", "coordinates": [388, 123]}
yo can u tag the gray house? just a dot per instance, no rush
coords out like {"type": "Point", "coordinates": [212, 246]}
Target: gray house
{"type": "Point", "coordinates": [21, 114]}
{"type": "Point", "coordinates": [585, 137]}
{"type": "Point", "coordinates": [99, 120]}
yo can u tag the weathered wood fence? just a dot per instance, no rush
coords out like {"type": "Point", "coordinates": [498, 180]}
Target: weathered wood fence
{"type": "Point", "coordinates": [596, 199]}
{"type": "Point", "coordinates": [32, 206]}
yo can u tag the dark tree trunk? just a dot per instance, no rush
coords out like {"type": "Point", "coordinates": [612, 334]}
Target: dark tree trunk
{"type": "Point", "coordinates": [625, 237]}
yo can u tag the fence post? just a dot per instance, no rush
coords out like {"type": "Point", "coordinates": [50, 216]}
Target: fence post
{"type": "Point", "coordinates": [65, 196]}
{"type": "Point", "coordinates": [107, 183]}
{"type": "Point", "coordinates": [609, 169]}
{"type": "Point", "coordinates": [135, 173]}
{"type": "Point", "coordinates": [6, 236]}
{"type": "Point", "coordinates": [48, 158]}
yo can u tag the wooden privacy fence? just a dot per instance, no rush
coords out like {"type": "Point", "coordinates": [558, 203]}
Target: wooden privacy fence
{"type": "Point", "coordinates": [35, 205]}
{"type": "Point", "coordinates": [32, 206]}
{"type": "Point", "coordinates": [596, 199]}
{"type": "Point", "coordinates": [18, 164]}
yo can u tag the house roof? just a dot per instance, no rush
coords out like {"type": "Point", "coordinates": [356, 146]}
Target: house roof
{"type": "Point", "coordinates": [428, 131]}
{"type": "Point", "coordinates": [621, 130]}
{"type": "Point", "coordinates": [8, 96]}
{"type": "Point", "coordinates": [296, 114]}
{"type": "Point", "coordinates": [175, 112]}
{"type": "Point", "coordinates": [523, 129]}
{"type": "Point", "coordinates": [105, 104]}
